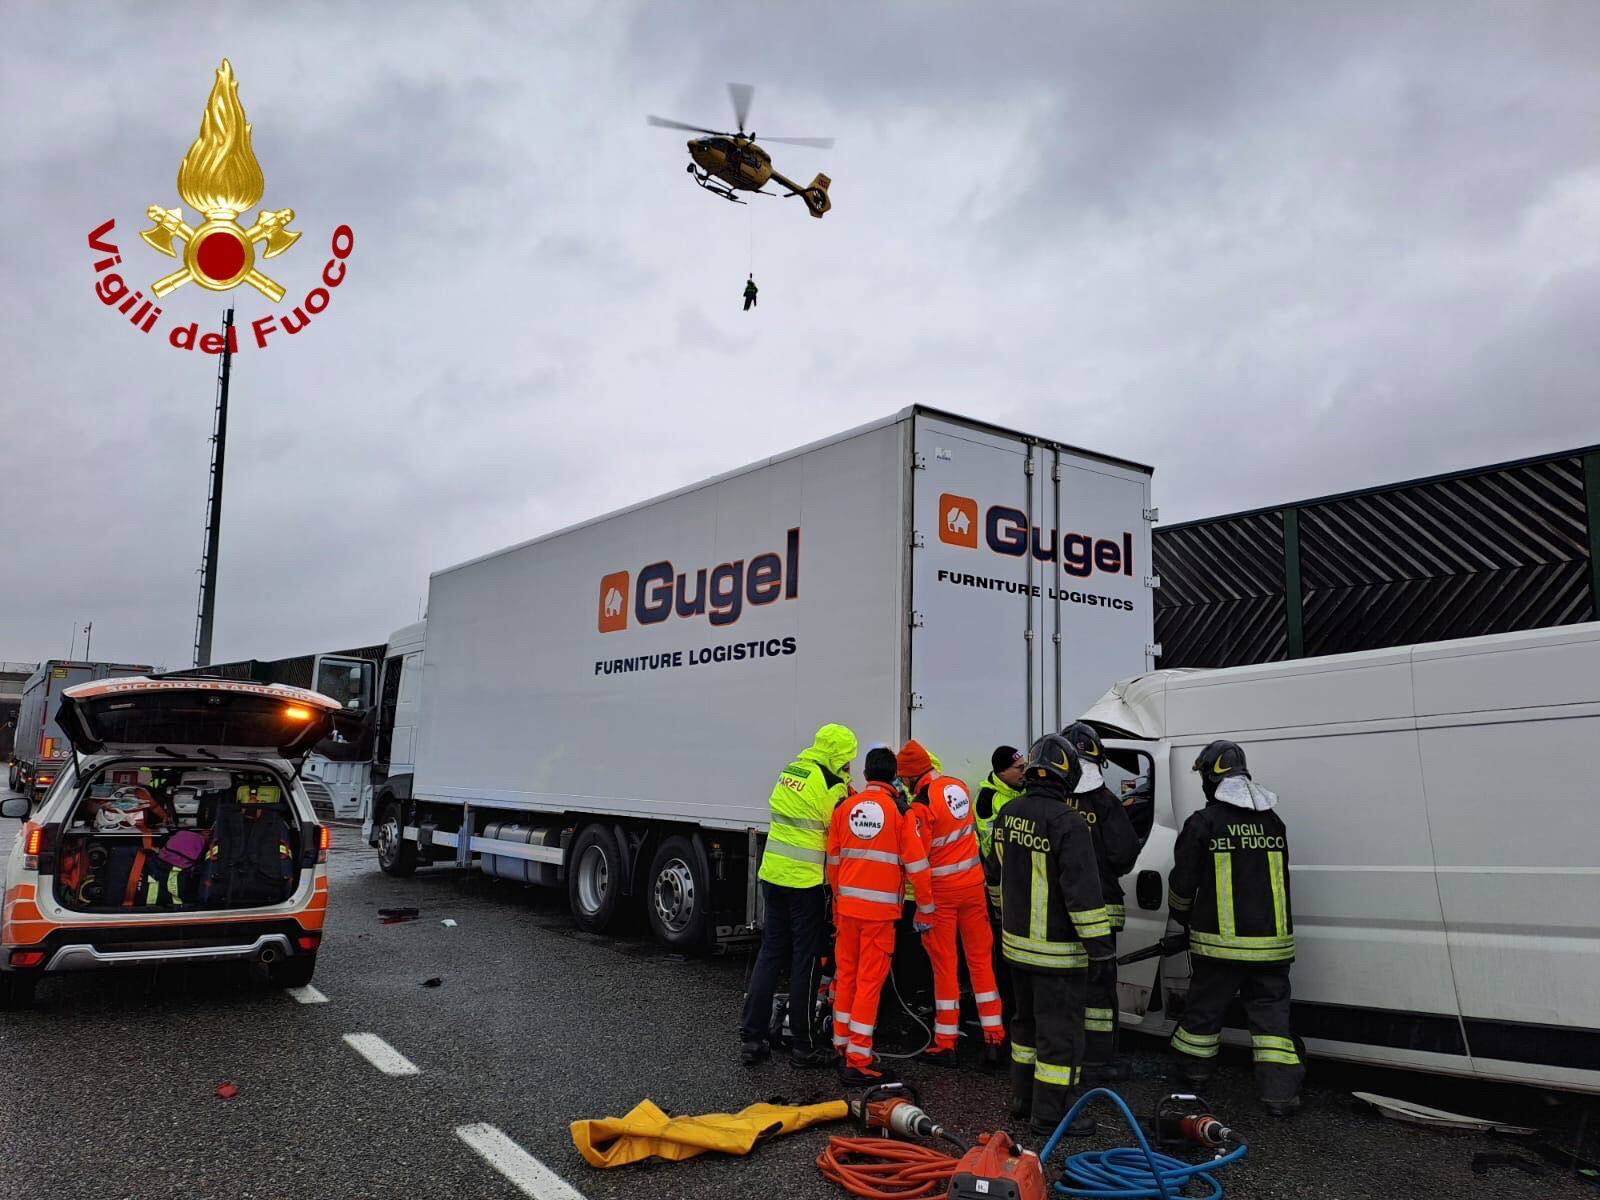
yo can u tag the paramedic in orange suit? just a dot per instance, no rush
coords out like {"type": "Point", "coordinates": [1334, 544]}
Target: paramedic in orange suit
{"type": "Point", "coordinates": [873, 849]}
{"type": "Point", "coordinates": [948, 831]}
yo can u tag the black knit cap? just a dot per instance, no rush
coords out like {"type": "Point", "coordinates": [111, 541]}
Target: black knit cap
{"type": "Point", "coordinates": [1004, 758]}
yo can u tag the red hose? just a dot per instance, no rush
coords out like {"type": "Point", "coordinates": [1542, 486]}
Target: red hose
{"type": "Point", "coordinates": [880, 1169]}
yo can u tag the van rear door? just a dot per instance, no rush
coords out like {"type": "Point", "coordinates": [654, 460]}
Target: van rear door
{"type": "Point", "coordinates": [182, 716]}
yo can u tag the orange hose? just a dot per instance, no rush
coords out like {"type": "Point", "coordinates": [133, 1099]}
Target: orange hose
{"type": "Point", "coordinates": [880, 1169]}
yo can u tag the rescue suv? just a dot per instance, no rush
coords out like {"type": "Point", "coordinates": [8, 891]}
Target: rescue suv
{"type": "Point", "coordinates": [179, 832]}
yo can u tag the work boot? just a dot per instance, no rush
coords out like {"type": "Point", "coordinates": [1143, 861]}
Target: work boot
{"type": "Point", "coordinates": [1101, 1074]}
{"type": "Point", "coordinates": [995, 1056]}
{"type": "Point", "coordinates": [1282, 1109]}
{"type": "Point", "coordinates": [938, 1057]}
{"type": "Point", "coordinates": [750, 1053]}
{"type": "Point", "coordinates": [864, 1075]}
{"type": "Point", "coordinates": [1021, 1091]}
{"type": "Point", "coordinates": [1084, 1126]}
{"type": "Point", "coordinates": [1193, 1074]}
{"type": "Point", "coordinates": [817, 1056]}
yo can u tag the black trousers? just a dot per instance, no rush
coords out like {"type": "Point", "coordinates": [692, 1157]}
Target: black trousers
{"type": "Point", "coordinates": [1046, 1040]}
{"type": "Point", "coordinates": [748, 301]}
{"type": "Point", "coordinates": [1263, 989]}
{"type": "Point", "coordinates": [1100, 1012]}
{"type": "Point", "coordinates": [796, 933]}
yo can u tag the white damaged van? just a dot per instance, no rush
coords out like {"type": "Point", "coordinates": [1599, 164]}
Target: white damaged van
{"type": "Point", "coordinates": [1443, 808]}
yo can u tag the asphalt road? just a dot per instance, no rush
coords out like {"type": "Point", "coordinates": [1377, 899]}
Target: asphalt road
{"type": "Point", "coordinates": [107, 1087]}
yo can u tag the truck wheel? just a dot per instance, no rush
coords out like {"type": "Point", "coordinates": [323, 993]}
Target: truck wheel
{"type": "Point", "coordinates": [396, 856]}
{"type": "Point", "coordinates": [678, 895]}
{"type": "Point", "coordinates": [16, 991]}
{"type": "Point", "coordinates": [594, 879]}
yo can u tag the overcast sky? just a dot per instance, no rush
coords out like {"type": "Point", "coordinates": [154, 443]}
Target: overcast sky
{"type": "Point", "coordinates": [1274, 250]}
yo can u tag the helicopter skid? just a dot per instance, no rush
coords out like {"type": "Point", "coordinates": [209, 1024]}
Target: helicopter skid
{"type": "Point", "coordinates": [713, 185]}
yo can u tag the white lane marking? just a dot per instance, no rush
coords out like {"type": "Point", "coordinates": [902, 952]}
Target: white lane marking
{"type": "Point", "coordinates": [516, 1164]}
{"type": "Point", "coordinates": [307, 995]}
{"type": "Point", "coordinates": [381, 1055]}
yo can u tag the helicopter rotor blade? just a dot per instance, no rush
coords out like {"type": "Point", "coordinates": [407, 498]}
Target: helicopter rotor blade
{"type": "Point", "coordinates": [818, 143]}
{"type": "Point", "coordinates": [663, 123]}
{"type": "Point", "coordinates": [740, 94]}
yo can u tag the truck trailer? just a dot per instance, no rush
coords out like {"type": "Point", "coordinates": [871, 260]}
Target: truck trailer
{"type": "Point", "coordinates": [41, 748]}
{"type": "Point", "coordinates": [607, 706]}
{"type": "Point", "coordinates": [1439, 802]}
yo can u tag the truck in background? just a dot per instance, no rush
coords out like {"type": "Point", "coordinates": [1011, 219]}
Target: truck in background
{"type": "Point", "coordinates": [12, 676]}
{"type": "Point", "coordinates": [1446, 897]}
{"type": "Point", "coordinates": [335, 774]}
{"type": "Point", "coordinates": [41, 747]}
{"type": "Point", "coordinates": [606, 707]}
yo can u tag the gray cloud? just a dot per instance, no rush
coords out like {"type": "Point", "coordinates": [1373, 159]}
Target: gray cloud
{"type": "Point", "coordinates": [1273, 250]}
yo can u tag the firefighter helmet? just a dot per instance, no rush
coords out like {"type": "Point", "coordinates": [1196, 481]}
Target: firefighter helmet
{"type": "Point", "coordinates": [1086, 741]}
{"type": "Point", "coordinates": [1221, 759]}
{"type": "Point", "coordinates": [1055, 758]}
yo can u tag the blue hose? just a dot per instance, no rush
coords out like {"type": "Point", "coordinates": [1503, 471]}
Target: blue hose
{"type": "Point", "coordinates": [1127, 1173]}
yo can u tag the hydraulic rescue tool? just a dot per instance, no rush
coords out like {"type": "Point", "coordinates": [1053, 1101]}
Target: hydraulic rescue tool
{"type": "Point", "coordinates": [876, 1167]}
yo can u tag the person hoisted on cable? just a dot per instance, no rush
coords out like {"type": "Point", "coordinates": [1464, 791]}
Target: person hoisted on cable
{"type": "Point", "coordinates": [750, 290]}
{"type": "Point", "coordinates": [1229, 886]}
{"type": "Point", "coordinates": [1054, 924]}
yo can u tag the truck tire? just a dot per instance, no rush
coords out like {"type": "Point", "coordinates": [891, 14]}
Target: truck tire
{"type": "Point", "coordinates": [396, 856]}
{"type": "Point", "coordinates": [677, 895]}
{"type": "Point", "coordinates": [594, 879]}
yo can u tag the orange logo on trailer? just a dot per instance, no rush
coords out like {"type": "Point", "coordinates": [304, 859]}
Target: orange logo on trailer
{"type": "Point", "coordinates": [958, 521]}
{"type": "Point", "coordinates": [614, 602]}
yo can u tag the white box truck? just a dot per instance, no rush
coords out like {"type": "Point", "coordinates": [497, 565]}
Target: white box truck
{"type": "Point", "coordinates": [1440, 801]}
{"type": "Point", "coordinates": [609, 705]}
{"type": "Point", "coordinates": [41, 748]}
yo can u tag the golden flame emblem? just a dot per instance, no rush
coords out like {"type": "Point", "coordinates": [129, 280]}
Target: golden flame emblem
{"type": "Point", "coordinates": [221, 178]}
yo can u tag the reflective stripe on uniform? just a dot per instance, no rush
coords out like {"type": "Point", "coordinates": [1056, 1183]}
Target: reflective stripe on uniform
{"type": "Point", "coordinates": [833, 860]}
{"type": "Point", "coordinates": [1038, 897]}
{"type": "Point", "coordinates": [952, 868]}
{"type": "Point", "coordinates": [984, 997]}
{"type": "Point", "coordinates": [1196, 1045]}
{"type": "Point", "coordinates": [1099, 1020]}
{"type": "Point", "coordinates": [1241, 949]}
{"type": "Point", "coordinates": [920, 865]}
{"type": "Point", "coordinates": [1280, 897]}
{"type": "Point", "coordinates": [947, 1005]}
{"type": "Point", "coordinates": [1118, 914]}
{"type": "Point", "coordinates": [925, 910]}
{"type": "Point", "coordinates": [954, 835]}
{"type": "Point", "coordinates": [1036, 952]}
{"type": "Point", "coordinates": [1270, 1049]}
{"type": "Point", "coordinates": [798, 853]}
{"type": "Point", "coordinates": [1044, 1072]}
{"type": "Point", "coordinates": [883, 856]}
{"type": "Point", "coordinates": [779, 818]}
{"type": "Point", "coordinates": [1223, 865]}
{"type": "Point", "coordinates": [856, 893]}
{"type": "Point", "coordinates": [1022, 1054]}
{"type": "Point", "coordinates": [950, 1030]}
{"type": "Point", "coordinates": [1179, 903]}
{"type": "Point", "coordinates": [863, 1030]}
{"type": "Point", "coordinates": [990, 1022]}
{"type": "Point", "coordinates": [1092, 922]}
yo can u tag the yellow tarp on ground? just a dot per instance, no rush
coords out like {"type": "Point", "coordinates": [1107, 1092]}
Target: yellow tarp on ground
{"type": "Point", "coordinates": [647, 1132]}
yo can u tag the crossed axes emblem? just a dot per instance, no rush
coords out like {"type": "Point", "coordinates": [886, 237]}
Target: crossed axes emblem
{"type": "Point", "coordinates": [271, 227]}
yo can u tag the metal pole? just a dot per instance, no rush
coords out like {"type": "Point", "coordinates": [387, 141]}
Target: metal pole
{"type": "Point", "coordinates": [88, 639]}
{"type": "Point", "coordinates": [219, 451]}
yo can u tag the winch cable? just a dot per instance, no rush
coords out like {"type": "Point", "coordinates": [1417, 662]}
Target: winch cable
{"type": "Point", "coordinates": [1131, 1173]}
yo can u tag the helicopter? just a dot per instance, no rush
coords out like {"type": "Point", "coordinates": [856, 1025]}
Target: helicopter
{"type": "Point", "coordinates": [728, 163]}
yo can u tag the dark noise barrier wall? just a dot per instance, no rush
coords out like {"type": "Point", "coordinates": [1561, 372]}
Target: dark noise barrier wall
{"type": "Point", "coordinates": [1512, 546]}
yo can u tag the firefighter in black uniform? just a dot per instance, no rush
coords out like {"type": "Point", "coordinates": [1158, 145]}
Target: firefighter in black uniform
{"type": "Point", "coordinates": [1230, 887]}
{"type": "Point", "coordinates": [1116, 846]}
{"type": "Point", "coordinates": [1053, 924]}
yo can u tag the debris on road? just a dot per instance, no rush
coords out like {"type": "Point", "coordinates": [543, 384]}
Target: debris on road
{"type": "Point", "coordinates": [1437, 1118]}
{"type": "Point", "coordinates": [434, 982]}
{"type": "Point", "coordinates": [394, 916]}
{"type": "Point", "coordinates": [448, 923]}
{"type": "Point", "coordinates": [226, 1091]}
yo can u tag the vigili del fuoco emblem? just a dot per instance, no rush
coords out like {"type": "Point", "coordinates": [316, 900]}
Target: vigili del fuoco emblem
{"type": "Point", "coordinates": [220, 178]}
